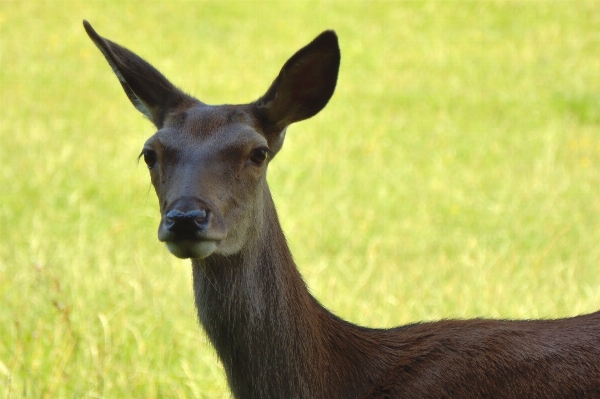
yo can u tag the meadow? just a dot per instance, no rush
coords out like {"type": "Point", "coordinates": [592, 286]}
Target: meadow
{"type": "Point", "coordinates": [454, 174]}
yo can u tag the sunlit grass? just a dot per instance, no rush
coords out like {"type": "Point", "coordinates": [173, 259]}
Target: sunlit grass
{"type": "Point", "coordinates": [455, 173]}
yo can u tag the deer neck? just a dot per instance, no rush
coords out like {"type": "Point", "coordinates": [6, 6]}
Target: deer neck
{"type": "Point", "coordinates": [267, 329]}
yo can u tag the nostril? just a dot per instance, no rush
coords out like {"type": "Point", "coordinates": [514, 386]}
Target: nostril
{"type": "Point", "coordinates": [182, 222]}
{"type": "Point", "coordinates": [200, 215]}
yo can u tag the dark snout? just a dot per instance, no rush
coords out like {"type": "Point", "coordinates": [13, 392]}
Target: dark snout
{"type": "Point", "coordinates": [191, 228]}
{"type": "Point", "coordinates": [186, 225]}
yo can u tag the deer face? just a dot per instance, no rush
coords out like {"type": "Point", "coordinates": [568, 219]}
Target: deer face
{"type": "Point", "coordinates": [208, 163]}
{"type": "Point", "coordinates": [208, 167]}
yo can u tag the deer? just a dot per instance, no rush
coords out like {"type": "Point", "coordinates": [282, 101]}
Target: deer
{"type": "Point", "coordinates": [208, 166]}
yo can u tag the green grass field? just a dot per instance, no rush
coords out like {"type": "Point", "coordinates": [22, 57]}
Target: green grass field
{"type": "Point", "coordinates": [455, 173]}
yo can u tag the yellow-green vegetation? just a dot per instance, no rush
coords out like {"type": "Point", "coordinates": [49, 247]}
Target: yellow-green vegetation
{"type": "Point", "coordinates": [455, 173]}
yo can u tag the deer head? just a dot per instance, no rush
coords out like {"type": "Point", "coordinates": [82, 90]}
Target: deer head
{"type": "Point", "coordinates": [208, 163]}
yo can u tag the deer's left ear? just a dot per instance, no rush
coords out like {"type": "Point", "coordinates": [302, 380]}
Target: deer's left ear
{"type": "Point", "coordinates": [149, 91]}
{"type": "Point", "coordinates": [303, 87]}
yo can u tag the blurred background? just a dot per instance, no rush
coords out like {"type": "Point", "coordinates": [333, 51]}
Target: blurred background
{"type": "Point", "coordinates": [455, 173]}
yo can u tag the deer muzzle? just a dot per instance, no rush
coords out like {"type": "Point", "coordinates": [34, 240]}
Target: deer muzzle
{"type": "Point", "coordinates": [191, 228]}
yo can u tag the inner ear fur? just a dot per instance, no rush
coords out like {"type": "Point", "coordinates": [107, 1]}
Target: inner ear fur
{"type": "Point", "coordinates": [304, 85]}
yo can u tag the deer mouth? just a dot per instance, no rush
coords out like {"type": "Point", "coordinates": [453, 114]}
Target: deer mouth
{"type": "Point", "coordinates": [192, 249]}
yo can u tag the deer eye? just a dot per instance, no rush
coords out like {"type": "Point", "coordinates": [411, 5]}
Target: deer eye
{"type": "Point", "coordinates": [149, 158]}
{"type": "Point", "coordinates": [259, 155]}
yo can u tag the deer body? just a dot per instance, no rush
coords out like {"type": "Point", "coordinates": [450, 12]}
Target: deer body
{"type": "Point", "coordinates": [276, 341]}
{"type": "Point", "coordinates": [208, 167]}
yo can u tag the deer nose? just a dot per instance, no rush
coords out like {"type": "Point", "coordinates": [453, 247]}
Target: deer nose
{"type": "Point", "coordinates": [186, 224]}
{"type": "Point", "coordinates": [191, 219]}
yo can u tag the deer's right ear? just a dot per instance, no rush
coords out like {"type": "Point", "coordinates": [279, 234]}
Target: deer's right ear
{"type": "Point", "coordinates": [303, 87]}
{"type": "Point", "coordinates": [149, 91]}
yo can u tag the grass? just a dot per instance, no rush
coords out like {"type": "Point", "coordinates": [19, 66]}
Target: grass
{"type": "Point", "coordinates": [455, 173]}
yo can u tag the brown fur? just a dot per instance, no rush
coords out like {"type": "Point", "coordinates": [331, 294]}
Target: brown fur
{"type": "Point", "coordinates": [208, 166]}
